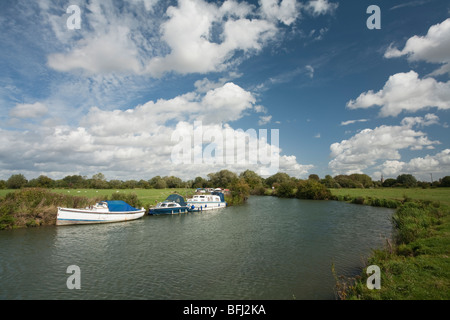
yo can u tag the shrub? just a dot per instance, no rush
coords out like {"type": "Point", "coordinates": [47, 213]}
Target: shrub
{"type": "Point", "coordinates": [313, 190]}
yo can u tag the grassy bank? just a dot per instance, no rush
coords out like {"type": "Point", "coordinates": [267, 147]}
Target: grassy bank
{"type": "Point", "coordinates": [441, 195]}
{"type": "Point", "coordinates": [38, 207]}
{"type": "Point", "coordinates": [415, 264]}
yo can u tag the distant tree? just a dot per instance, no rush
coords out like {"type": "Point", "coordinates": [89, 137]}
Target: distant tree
{"type": "Point", "coordinates": [252, 179]}
{"type": "Point", "coordinates": [2, 184]}
{"type": "Point", "coordinates": [445, 182]}
{"type": "Point", "coordinates": [389, 182]}
{"type": "Point", "coordinates": [314, 177]}
{"type": "Point", "coordinates": [285, 189]}
{"type": "Point", "coordinates": [346, 182]}
{"type": "Point", "coordinates": [277, 178]}
{"type": "Point", "coordinates": [407, 180]}
{"type": "Point", "coordinates": [222, 179]}
{"type": "Point", "coordinates": [45, 182]}
{"type": "Point", "coordinates": [363, 179]}
{"type": "Point", "coordinates": [16, 181]}
{"type": "Point", "coordinates": [329, 182]}
{"type": "Point", "coordinates": [99, 176]}
{"type": "Point", "coordinates": [199, 182]}
{"type": "Point", "coordinates": [312, 189]}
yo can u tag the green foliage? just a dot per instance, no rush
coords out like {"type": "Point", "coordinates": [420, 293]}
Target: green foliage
{"type": "Point", "coordinates": [240, 192]}
{"type": "Point", "coordinates": [407, 180]}
{"type": "Point", "coordinates": [285, 189]}
{"type": "Point", "coordinates": [16, 181]}
{"type": "Point", "coordinates": [130, 198]}
{"type": "Point", "coordinates": [35, 206]}
{"type": "Point", "coordinates": [312, 189]}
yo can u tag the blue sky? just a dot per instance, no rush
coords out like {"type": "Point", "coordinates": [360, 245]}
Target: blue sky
{"type": "Point", "coordinates": [110, 96]}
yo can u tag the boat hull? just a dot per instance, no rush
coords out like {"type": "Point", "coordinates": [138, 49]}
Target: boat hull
{"type": "Point", "coordinates": [79, 216]}
{"type": "Point", "coordinates": [205, 206]}
{"type": "Point", "coordinates": [168, 211]}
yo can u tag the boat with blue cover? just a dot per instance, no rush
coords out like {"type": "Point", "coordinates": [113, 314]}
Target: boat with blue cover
{"type": "Point", "coordinates": [174, 204]}
{"type": "Point", "coordinates": [102, 212]}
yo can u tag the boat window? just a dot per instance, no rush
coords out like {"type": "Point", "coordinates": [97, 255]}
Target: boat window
{"type": "Point", "coordinates": [171, 205]}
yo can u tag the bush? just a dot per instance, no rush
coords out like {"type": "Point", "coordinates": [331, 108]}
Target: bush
{"type": "Point", "coordinates": [313, 190]}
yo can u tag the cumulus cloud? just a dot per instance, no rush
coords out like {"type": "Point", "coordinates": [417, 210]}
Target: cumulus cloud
{"type": "Point", "coordinates": [420, 166]}
{"type": "Point", "coordinates": [319, 7]}
{"type": "Point", "coordinates": [405, 92]}
{"type": "Point", "coordinates": [138, 142]}
{"type": "Point", "coordinates": [434, 47]}
{"type": "Point", "coordinates": [113, 42]}
{"type": "Point", "coordinates": [25, 111]}
{"type": "Point", "coordinates": [367, 147]}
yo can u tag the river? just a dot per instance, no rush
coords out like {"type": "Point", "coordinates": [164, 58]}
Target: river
{"type": "Point", "coordinates": [267, 249]}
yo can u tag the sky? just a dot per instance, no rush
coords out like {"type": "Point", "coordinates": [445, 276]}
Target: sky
{"type": "Point", "coordinates": [139, 88]}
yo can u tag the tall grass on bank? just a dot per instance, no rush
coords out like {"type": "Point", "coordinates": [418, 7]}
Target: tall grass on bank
{"type": "Point", "coordinates": [416, 266]}
{"type": "Point", "coordinates": [39, 207]}
{"type": "Point", "coordinates": [36, 207]}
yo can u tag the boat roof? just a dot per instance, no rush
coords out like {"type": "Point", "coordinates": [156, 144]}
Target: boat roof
{"type": "Point", "coordinates": [119, 205]}
{"type": "Point", "coordinates": [176, 198]}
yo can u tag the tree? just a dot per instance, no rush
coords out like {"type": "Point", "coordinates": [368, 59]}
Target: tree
{"type": "Point", "coordinates": [199, 182]}
{"type": "Point", "coordinates": [16, 181]}
{"type": "Point", "coordinates": [314, 177]}
{"type": "Point", "coordinates": [445, 182]}
{"type": "Point", "coordinates": [407, 180]}
{"type": "Point", "coordinates": [277, 178]}
{"type": "Point", "coordinates": [329, 182]}
{"type": "Point", "coordinates": [251, 178]}
{"type": "Point", "coordinates": [389, 182]}
{"type": "Point", "coordinates": [222, 179]}
{"type": "Point", "coordinates": [311, 189]}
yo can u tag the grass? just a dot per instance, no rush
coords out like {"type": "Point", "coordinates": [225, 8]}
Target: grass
{"type": "Point", "coordinates": [416, 266]}
{"type": "Point", "coordinates": [147, 196]}
{"type": "Point", "coordinates": [441, 195]}
{"type": "Point", "coordinates": [38, 207]}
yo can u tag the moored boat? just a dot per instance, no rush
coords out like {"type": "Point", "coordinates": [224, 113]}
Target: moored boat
{"type": "Point", "coordinates": [174, 204]}
{"type": "Point", "coordinates": [213, 201]}
{"type": "Point", "coordinates": [102, 212]}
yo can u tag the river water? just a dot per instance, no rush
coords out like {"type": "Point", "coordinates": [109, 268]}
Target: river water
{"type": "Point", "coordinates": [269, 248]}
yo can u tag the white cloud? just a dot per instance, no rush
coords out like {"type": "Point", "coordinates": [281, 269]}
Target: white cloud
{"type": "Point", "coordinates": [286, 11]}
{"type": "Point", "coordinates": [136, 143]}
{"type": "Point", "coordinates": [264, 120]}
{"type": "Point", "coordinates": [367, 147]}
{"type": "Point", "coordinates": [405, 92]}
{"type": "Point", "coordinates": [346, 123]}
{"type": "Point", "coordinates": [319, 7]}
{"type": "Point", "coordinates": [420, 167]}
{"type": "Point", "coordinates": [433, 48]}
{"type": "Point", "coordinates": [25, 111]}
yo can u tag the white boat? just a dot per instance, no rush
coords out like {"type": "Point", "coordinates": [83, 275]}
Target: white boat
{"type": "Point", "coordinates": [102, 212]}
{"type": "Point", "coordinates": [201, 202]}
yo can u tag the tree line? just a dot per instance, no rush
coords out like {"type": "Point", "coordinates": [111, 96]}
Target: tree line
{"type": "Point", "coordinates": [279, 183]}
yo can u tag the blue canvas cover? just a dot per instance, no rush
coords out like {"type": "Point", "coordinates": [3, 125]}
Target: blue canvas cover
{"type": "Point", "coordinates": [176, 198]}
{"type": "Point", "coordinates": [119, 205]}
{"type": "Point", "coordinates": [220, 194]}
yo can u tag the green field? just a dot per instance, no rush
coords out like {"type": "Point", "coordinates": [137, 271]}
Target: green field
{"type": "Point", "coordinates": [148, 197]}
{"type": "Point", "coordinates": [441, 195]}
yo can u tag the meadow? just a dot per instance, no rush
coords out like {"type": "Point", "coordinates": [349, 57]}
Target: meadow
{"type": "Point", "coordinates": [148, 197]}
{"type": "Point", "coordinates": [441, 195]}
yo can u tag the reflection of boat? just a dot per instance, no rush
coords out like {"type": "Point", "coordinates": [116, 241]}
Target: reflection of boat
{"type": "Point", "coordinates": [174, 204]}
{"type": "Point", "coordinates": [200, 202]}
{"type": "Point", "coordinates": [102, 212]}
